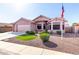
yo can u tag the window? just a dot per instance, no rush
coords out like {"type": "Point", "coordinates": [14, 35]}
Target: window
{"type": "Point", "coordinates": [56, 27]}
{"type": "Point", "coordinates": [39, 26]}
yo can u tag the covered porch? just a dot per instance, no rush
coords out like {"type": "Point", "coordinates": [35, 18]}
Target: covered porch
{"type": "Point", "coordinates": [42, 26]}
{"type": "Point", "coordinates": [57, 26]}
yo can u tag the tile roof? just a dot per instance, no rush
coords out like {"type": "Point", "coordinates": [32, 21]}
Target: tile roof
{"type": "Point", "coordinates": [58, 19]}
{"type": "Point", "coordinates": [41, 16]}
{"type": "Point", "coordinates": [22, 19]}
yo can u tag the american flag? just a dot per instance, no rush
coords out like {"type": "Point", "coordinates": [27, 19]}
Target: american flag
{"type": "Point", "coordinates": [62, 14]}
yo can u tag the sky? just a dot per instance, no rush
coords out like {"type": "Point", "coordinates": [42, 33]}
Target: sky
{"type": "Point", "coordinates": [11, 12]}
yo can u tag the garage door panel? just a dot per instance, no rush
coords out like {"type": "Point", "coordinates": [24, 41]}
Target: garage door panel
{"type": "Point", "coordinates": [23, 28]}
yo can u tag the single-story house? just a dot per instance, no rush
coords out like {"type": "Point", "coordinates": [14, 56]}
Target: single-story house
{"type": "Point", "coordinates": [40, 23]}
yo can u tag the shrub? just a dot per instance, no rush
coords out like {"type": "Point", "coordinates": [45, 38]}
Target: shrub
{"type": "Point", "coordinates": [43, 32]}
{"type": "Point", "coordinates": [44, 36]}
{"type": "Point", "coordinates": [59, 32]}
{"type": "Point", "coordinates": [51, 32]}
{"type": "Point", "coordinates": [27, 32]}
{"type": "Point", "coordinates": [30, 32]}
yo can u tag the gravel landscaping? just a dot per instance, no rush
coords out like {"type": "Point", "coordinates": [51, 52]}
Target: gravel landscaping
{"type": "Point", "coordinates": [67, 44]}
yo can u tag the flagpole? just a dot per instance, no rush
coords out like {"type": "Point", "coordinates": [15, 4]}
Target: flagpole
{"type": "Point", "coordinates": [61, 30]}
{"type": "Point", "coordinates": [62, 23]}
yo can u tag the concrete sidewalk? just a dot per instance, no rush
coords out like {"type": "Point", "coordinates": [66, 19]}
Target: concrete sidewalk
{"type": "Point", "coordinates": [9, 35]}
{"type": "Point", "coordinates": [17, 49]}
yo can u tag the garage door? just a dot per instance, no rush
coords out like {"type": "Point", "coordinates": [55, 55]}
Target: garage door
{"type": "Point", "coordinates": [23, 28]}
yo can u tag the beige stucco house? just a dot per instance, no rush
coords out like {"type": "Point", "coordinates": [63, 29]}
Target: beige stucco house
{"type": "Point", "coordinates": [40, 23]}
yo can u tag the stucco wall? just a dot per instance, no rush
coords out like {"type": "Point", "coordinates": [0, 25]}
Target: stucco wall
{"type": "Point", "coordinates": [21, 22]}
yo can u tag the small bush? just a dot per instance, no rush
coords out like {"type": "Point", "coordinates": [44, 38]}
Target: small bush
{"type": "Point", "coordinates": [51, 32]}
{"type": "Point", "coordinates": [43, 32]}
{"type": "Point", "coordinates": [59, 32]}
{"type": "Point", "coordinates": [27, 32]}
{"type": "Point", "coordinates": [30, 32]}
{"type": "Point", "coordinates": [44, 36]}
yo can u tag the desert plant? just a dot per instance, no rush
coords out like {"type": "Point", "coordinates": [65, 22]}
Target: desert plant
{"type": "Point", "coordinates": [30, 32]}
{"type": "Point", "coordinates": [43, 32]}
{"type": "Point", "coordinates": [51, 32]}
{"type": "Point", "coordinates": [44, 36]}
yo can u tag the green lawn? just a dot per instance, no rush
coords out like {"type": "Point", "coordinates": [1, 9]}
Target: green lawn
{"type": "Point", "coordinates": [25, 37]}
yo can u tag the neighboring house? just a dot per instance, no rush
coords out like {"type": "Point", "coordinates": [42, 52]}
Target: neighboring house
{"type": "Point", "coordinates": [40, 23]}
{"type": "Point", "coordinates": [76, 27]}
{"type": "Point", "coordinates": [5, 27]}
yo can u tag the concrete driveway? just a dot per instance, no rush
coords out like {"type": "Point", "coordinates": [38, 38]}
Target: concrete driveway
{"type": "Point", "coordinates": [9, 35]}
